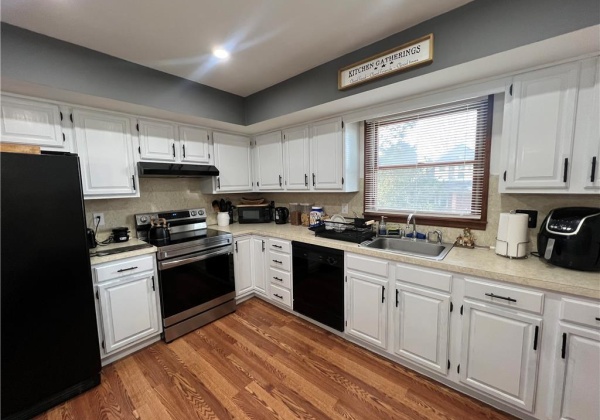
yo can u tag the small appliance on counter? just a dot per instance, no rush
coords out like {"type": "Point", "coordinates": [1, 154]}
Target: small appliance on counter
{"type": "Point", "coordinates": [254, 213]}
{"type": "Point", "coordinates": [120, 234]}
{"type": "Point", "coordinates": [569, 237]}
{"type": "Point", "coordinates": [512, 236]}
{"type": "Point", "coordinates": [281, 215]}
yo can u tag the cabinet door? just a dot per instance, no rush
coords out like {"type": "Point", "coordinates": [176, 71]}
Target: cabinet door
{"type": "Point", "coordinates": [269, 161]}
{"type": "Point", "coordinates": [232, 159]}
{"type": "Point", "coordinates": [422, 326]}
{"type": "Point", "coordinates": [242, 262]}
{"type": "Point", "coordinates": [106, 154]}
{"type": "Point", "coordinates": [31, 122]}
{"type": "Point", "coordinates": [367, 308]}
{"type": "Point", "coordinates": [577, 374]}
{"type": "Point", "coordinates": [327, 145]}
{"type": "Point", "coordinates": [296, 158]}
{"type": "Point", "coordinates": [157, 140]}
{"type": "Point", "coordinates": [259, 270]}
{"type": "Point", "coordinates": [499, 354]}
{"type": "Point", "coordinates": [129, 312]}
{"type": "Point", "coordinates": [194, 142]}
{"type": "Point", "coordinates": [541, 116]}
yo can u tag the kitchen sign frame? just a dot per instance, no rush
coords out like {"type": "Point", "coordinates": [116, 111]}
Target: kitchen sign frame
{"type": "Point", "coordinates": [415, 53]}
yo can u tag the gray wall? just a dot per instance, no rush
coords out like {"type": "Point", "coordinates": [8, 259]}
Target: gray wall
{"type": "Point", "coordinates": [35, 58]}
{"type": "Point", "coordinates": [476, 30]}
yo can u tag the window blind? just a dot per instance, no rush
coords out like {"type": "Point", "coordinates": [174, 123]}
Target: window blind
{"type": "Point", "coordinates": [432, 161]}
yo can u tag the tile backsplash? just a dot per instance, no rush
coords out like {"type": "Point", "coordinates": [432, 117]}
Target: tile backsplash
{"type": "Point", "coordinates": [159, 194]}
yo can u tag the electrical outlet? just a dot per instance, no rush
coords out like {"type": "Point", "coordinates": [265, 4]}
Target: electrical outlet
{"type": "Point", "coordinates": [96, 216]}
{"type": "Point", "coordinates": [345, 208]}
{"type": "Point", "coordinates": [532, 222]}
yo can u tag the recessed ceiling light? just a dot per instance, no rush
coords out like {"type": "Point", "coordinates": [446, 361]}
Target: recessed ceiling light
{"type": "Point", "coordinates": [221, 53]}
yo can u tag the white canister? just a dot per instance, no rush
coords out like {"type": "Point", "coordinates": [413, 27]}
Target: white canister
{"type": "Point", "coordinates": [316, 215]}
{"type": "Point", "coordinates": [223, 218]}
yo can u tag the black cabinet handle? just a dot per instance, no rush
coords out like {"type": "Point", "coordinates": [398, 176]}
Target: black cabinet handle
{"type": "Point", "coordinates": [593, 177]}
{"type": "Point", "coordinates": [501, 297]}
{"type": "Point", "coordinates": [277, 278]}
{"type": "Point", "coordinates": [397, 300]}
{"type": "Point", "coordinates": [277, 246]}
{"type": "Point", "coordinates": [280, 180]}
{"type": "Point", "coordinates": [563, 350]}
{"type": "Point", "coordinates": [183, 147]}
{"type": "Point", "coordinates": [504, 176]}
{"type": "Point", "coordinates": [133, 181]}
{"type": "Point", "coordinates": [218, 183]}
{"type": "Point", "coordinates": [305, 180]}
{"type": "Point", "coordinates": [126, 269]}
{"type": "Point", "coordinates": [382, 294]}
{"type": "Point", "coordinates": [279, 296]}
{"type": "Point", "coordinates": [597, 319]}
{"type": "Point", "coordinates": [313, 180]}
{"type": "Point", "coordinates": [263, 246]}
{"type": "Point", "coordinates": [535, 337]}
{"type": "Point", "coordinates": [278, 262]}
{"type": "Point", "coordinates": [153, 288]}
{"type": "Point", "coordinates": [566, 169]}
{"type": "Point", "coordinates": [173, 145]}
{"type": "Point", "coordinates": [236, 249]}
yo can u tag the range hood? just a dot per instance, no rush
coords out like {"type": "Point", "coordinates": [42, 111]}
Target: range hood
{"type": "Point", "coordinates": [175, 170]}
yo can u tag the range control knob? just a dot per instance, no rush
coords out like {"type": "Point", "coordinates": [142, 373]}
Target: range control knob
{"type": "Point", "coordinates": [143, 219]}
{"type": "Point", "coordinates": [200, 212]}
{"type": "Point", "coordinates": [193, 212]}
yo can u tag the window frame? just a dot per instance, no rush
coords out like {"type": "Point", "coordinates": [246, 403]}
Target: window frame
{"type": "Point", "coordinates": [444, 221]}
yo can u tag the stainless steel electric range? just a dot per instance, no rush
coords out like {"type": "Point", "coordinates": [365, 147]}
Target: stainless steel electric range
{"type": "Point", "coordinates": [195, 270]}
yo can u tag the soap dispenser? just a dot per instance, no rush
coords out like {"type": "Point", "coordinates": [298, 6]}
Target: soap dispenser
{"type": "Point", "coordinates": [382, 226]}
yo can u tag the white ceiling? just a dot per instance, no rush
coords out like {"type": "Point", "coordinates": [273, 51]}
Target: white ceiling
{"type": "Point", "coordinates": [270, 40]}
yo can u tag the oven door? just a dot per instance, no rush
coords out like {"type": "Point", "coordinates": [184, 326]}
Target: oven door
{"type": "Point", "coordinates": [194, 283]}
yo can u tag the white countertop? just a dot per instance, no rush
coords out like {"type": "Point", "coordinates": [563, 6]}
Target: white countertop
{"type": "Point", "coordinates": [480, 262]}
{"type": "Point", "coordinates": [119, 256]}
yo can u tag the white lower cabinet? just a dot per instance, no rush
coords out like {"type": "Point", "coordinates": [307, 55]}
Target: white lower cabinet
{"type": "Point", "coordinates": [250, 265]}
{"type": "Point", "coordinates": [367, 308]}
{"type": "Point", "coordinates": [127, 303]}
{"type": "Point", "coordinates": [500, 352]}
{"type": "Point", "coordinates": [422, 326]}
{"type": "Point", "coordinates": [577, 361]}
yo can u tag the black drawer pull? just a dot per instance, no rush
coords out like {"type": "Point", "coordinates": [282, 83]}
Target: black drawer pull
{"type": "Point", "coordinates": [276, 295]}
{"type": "Point", "coordinates": [126, 269]}
{"type": "Point", "coordinates": [277, 278]}
{"type": "Point", "coordinates": [278, 262]}
{"type": "Point", "coordinates": [566, 170]}
{"type": "Point", "coordinates": [597, 319]}
{"type": "Point", "coordinates": [397, 301]}
{"type": "Point", "coordinates": [277, 246]}
{"type": "Point", "coordinates": [382, 294]}
{"type": "Point", "coordinates": [563, 349]}
{"type": "Point", "coordinates": [501, 297]}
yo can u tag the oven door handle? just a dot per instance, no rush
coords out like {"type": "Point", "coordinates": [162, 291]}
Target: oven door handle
{"type": "Point", "coordinates": [165, 265]}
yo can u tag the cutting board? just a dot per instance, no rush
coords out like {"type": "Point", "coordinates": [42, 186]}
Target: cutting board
{"type": "Point", "coordinates": [19, 148]}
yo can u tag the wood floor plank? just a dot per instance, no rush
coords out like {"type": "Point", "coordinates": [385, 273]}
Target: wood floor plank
{"type": "Point", "coordinates": [262, 362]}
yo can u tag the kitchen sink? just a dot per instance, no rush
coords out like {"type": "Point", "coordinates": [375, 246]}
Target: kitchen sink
{"type": "Point", "coordinates": [419, 248]}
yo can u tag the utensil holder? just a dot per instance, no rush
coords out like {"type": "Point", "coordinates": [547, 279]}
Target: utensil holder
{"type": "Point", "coordinates": [223, 218]}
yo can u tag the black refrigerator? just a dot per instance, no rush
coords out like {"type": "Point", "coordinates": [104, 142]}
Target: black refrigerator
{"type": "Point", "coordinates": [49, 348]}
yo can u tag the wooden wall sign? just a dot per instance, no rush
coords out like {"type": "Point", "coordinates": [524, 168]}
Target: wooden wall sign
{"type": "Point", "coordinates": [415, 53]}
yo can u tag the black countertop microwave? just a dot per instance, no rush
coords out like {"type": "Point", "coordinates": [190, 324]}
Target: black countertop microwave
{"type": "Point", "coordinates": [254, 213]}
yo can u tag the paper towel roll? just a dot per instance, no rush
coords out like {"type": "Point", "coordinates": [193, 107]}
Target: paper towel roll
{"type": "Point", "coordinates": [512, 235]}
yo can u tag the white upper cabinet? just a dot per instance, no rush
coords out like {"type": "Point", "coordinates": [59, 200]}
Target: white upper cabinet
{"type": "Point", "coordinates": [233, 160]}
{"type": "Point", "coordinates": [104, 145]}
{"type": "Point", "coordinates": [31, 122]}
{"type": "Point", "coordinates": [296, 155]}
{"type": "Point", "coordinates": [327, 145]}
{"type": "Point", "coordinates": [194, 144]}
{"type": "Point", "coordinates": [268, 159]}
{"type": "Point", "coordinates": [551, 134]}
{"type": "Point", "coordinates": [157, 140]}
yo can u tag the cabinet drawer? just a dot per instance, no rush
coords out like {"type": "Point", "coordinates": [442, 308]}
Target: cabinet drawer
{"type": "Point", "coordinates": [581, 312]}
{"type": "Point", "coordinates": [279, 260]}
{"type": "Point", "coordinates": [280, 277]}
{"type": "Point", "coordinates": [280, 245]}
{"type": "Point", "coordinates": [507, 296]}
{"type": "Point", "coordinates": [372, 266]}
{"type": "Point", "coordinates": [281, 295]}
{"type": "Point", "coordinates": [428, 278]}
{"type": "Point", "coordinates": [122, 268]}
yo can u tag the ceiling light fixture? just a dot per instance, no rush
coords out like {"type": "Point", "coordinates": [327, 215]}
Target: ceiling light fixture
{"type": "Point", "coordinates": [221, 53]}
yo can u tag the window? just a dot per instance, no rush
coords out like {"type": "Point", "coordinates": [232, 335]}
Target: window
{"type": "Point", "coordinates": [432, 162]}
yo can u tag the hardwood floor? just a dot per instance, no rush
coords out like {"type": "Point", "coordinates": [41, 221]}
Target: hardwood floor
{"type": "Point", "coordinates": [263, 363]}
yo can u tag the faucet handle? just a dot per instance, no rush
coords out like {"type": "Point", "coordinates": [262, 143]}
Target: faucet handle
{"type": "Point", "coordinates": [438, 233]}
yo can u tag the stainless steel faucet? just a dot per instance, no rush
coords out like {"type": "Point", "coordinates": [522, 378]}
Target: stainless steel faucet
{"type": "Point", "coordinates": [438, 233]}
{"type": "Point", "coordinates": [414, 225]}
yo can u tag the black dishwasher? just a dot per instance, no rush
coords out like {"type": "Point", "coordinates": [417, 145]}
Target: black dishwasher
{"type": "Point", "coordinates": [319, 283]}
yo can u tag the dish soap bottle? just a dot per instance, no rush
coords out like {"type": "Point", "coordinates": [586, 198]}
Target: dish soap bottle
{"type": "Point", "coordinates": [382, 226]}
